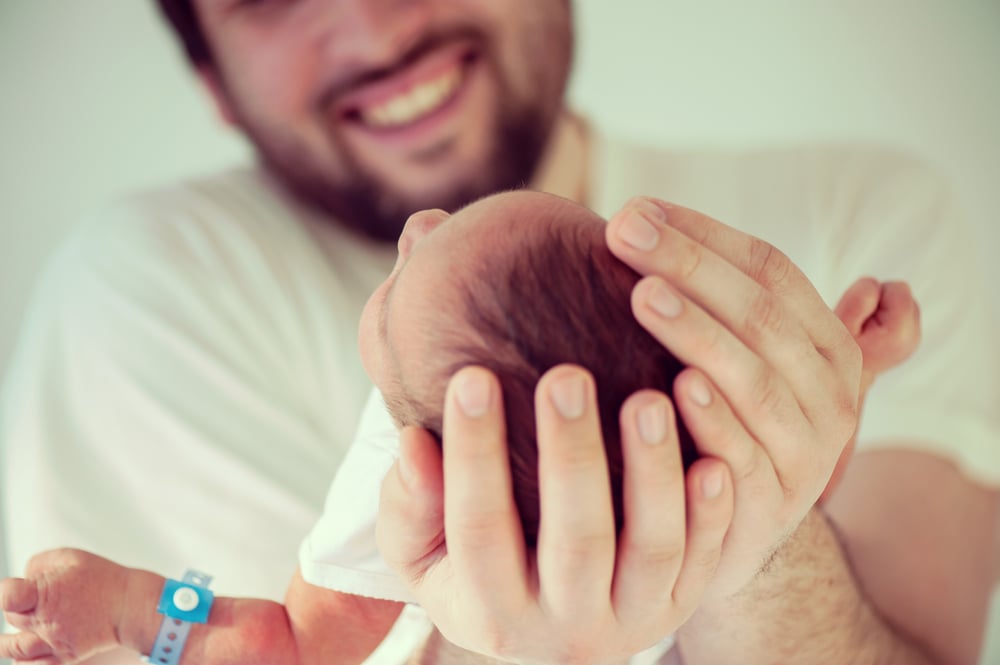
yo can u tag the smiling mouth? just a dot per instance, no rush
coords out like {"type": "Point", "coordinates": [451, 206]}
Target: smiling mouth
{"type": "Point", "coordinates": [416, 102]}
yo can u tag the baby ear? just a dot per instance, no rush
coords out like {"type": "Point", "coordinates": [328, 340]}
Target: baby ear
{"type": "Point", "coordinates": [418, 225]}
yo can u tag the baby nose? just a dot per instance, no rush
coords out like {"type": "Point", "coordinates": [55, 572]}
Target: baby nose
{"type": "Point", "coordinates": [417, 226]}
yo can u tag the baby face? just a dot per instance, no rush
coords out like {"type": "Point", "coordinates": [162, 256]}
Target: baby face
{"type": "Point", "coordinates": [412, 317]}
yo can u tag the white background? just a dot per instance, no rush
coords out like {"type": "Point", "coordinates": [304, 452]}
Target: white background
{"type": "Point", "coordinates": [95, 99]}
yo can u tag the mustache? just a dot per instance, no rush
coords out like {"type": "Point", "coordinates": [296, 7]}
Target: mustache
{"type": "Point", "coordinates": [343, 82]}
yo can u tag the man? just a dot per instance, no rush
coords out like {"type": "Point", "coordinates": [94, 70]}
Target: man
{"type": "Point", "coordinates": [192, 350]}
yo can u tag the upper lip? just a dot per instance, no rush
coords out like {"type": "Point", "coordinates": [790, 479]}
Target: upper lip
{"type": "Point", "coordinates": [378, 86]}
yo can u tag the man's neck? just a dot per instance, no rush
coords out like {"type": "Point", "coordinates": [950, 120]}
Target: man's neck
{"type": "Point", "coordinates": [565, 168]}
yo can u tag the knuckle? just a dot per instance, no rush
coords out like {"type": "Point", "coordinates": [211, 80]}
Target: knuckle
{"type": "Point", "coordinates": [705, 561]}
{"type": "Point", "coordinates": [476, 530]}
{"type": "Point", "coordinates": [853, 358]}
{"type": "Point", "coordinates": [689, 263]}
{"type": "Point", "coordinates": [769, 267]}
{"type": "Point", "coordinates": [581, 651]}
{"type": "Point", "coordinates": [653, 554]}
{"type": "Point", "coordinates": [483, 633]}
{"type": "Point", "coordinates": [712, 342]}
{"type": "Point", "coordinates": [496, 640]}
{"type": "Point", "coordinates": [847, 354]}
{"type": "Point", "coordinates": [727, 440]}
{"type": "Point", "coordinates": [577, 550]}
{"type": "Point", "coordinates": [845, 417]}
{"type": "Point", "coordinates": [765, 317]}
{"type": "Point", "coordinates": [578, 453]}
{"type": "Point", "coordinates": [685, 258]}
{"type": "Point", "coordinates": [61, 639]}
{"type": "Point", "coordinates": [768, 397]}
{"type": "Point", "coordinates": [839, 419]}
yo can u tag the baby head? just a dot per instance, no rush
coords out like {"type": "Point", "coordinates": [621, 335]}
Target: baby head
{"type": "Point", "coordinates": [518, 283]}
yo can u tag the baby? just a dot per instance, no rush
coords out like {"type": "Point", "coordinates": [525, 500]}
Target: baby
{"type": "Point", "coordinates": [521, 282]}
{"type": "Point", "coordinates": [517, 282]}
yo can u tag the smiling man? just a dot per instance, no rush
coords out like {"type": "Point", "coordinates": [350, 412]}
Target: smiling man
{"type": "Point", "coordinates": [372, 112]}
{"type": "Point", "coordinates": [188, 383]}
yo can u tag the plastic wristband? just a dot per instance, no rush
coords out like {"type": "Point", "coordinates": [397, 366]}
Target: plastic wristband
{"type": "Point", "coordinates": [182, 603]}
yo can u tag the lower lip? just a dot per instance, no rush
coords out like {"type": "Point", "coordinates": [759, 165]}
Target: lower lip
{"type": "Point", "coordinates": [425, 130]}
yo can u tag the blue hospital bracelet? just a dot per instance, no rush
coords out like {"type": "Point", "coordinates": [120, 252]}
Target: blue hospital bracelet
{"type": "Point", "coordinates": [182, 603]}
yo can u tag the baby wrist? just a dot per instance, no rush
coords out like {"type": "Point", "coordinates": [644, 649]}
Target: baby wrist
{"type": "Point", "coordinates": [181, 604]}
{"type": "Point", "coordinates": [138, 622]}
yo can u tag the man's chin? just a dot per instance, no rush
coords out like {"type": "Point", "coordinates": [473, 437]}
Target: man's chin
{"type": "Point", "coordinates": [377, 204]}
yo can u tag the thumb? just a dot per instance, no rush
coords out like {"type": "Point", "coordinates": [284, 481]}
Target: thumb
{"type": "Point", "coordinates": [410, 525]}
{"type": "Point", "coordinates": [858, 303]}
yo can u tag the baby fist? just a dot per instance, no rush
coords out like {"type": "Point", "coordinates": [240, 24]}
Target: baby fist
{"type": "Point", "coordinates": [66, 607]}
{"type": "Point", "coordinates": [884, 320]}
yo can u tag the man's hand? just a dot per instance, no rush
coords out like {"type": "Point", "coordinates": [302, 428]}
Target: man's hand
{"type": "Point", "coordinates": [67, 608]}
{"type": "Point", "coordinates": [453, 533]}
{"type": "Point", "coordinates": [773, 378]}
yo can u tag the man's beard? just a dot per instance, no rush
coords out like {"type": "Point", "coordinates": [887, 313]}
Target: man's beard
{"type": "Point", "coordinates": [364, 204]}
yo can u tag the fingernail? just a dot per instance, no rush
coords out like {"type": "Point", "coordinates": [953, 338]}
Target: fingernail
{"type": "Point", "coordinates": [711, 484]}
{"type": "Point", "coordinates": [699, 392]}
{"type": "Point", "coordinates": [664, 302]}
{"type": "Point", "coordinates": [637, 230]}
{"type": "Point", "coordinates": [652, 422]}
{"type": "Point", "coordinates": [567, 395]}
{"type": "Point", "coordinates": [472, 392]}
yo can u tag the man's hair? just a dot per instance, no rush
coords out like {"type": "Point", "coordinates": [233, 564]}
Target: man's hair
{"type": "Point", "coordinates": [560, 297]}
{"type": "Point", "coordinates": [184, 20]}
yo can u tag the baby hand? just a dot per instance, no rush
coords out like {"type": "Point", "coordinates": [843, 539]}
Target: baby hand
{"type": "Point", "coordinates": [884, 320]}
{"type": "Point", "coordinates": [67, 607]}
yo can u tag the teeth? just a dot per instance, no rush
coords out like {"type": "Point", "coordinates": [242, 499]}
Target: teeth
{"type": "Point", "coordinates": [414, 103]}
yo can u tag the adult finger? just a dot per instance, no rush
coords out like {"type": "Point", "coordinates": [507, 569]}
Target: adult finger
{"type": "Point", "coordinates": [576, 537]}
{"type": "Point", "coordinates": [484, 533]}
{"type": "Point", "coordinates": [710, 511]}
{"type": "Point", "coordinates": [765, 322]}
{"type": "Point", "coordinates": [410, 526]}
{"type": "Point", "coordinates": [716, 430]}
{"type": "Point", "coordinates": [760, 396]}
{"type": "Point", "coordinates": [758, 260]}
{"type": "Point", "coordinates": [651, 543]}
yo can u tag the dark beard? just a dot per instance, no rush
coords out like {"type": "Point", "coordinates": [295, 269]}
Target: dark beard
{"type": "Point", "coordinates": [369, 208]}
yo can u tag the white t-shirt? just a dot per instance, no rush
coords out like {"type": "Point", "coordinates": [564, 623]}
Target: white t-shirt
{"type": "Point", "coordinates": [187, 382]}
{"type": "Point", "coordinates": [840, 213]}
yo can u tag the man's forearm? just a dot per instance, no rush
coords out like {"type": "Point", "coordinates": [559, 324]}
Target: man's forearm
{"type": "Point", "coordinates": [803, 608]}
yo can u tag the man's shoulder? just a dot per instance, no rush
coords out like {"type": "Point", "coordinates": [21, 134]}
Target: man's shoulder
{"type": "Point", "coordinates": [214, 213]}
{"type": "Point", "coordinates": [743, 185]}
{"type": "Point", "coordinates": [232, 230]}
{"type": "Point", "coordinates": [174, 250]}
{"type": "Point", "coordinates": [865, 160]}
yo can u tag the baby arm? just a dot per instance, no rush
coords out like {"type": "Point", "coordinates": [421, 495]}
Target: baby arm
{"type": "Point", "coordinates": [885, 321]}
{"type": "Point", "coordinates": [73, 605]}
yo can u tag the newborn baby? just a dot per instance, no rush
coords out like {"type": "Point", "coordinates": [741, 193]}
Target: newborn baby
{"type": "Point", "coordinates": [521, 282]}
{"type": "Point", "coordinates": [518, 283]}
